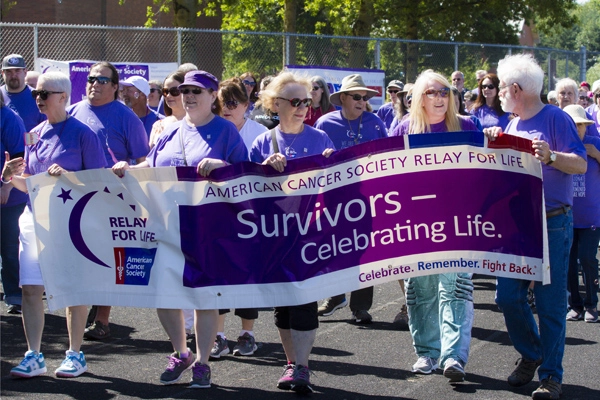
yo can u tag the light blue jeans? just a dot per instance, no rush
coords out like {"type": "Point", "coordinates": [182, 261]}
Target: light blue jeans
{"type": "Point", "coordinates": [547, 344]}
{"type": "Point", "coordinates": [440, 310]}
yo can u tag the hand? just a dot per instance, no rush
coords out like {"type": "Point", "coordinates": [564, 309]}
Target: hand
{"type": "Point", "coordinates": [13, 167]}
{"type": "Point", "coordinates": [592, 151]}
{"type": "Point", "coordinates": [5, 193]}
{"type": "Point", "coordinates": [327, 152]}
{"type": "Point", "coordinates": [208, 164]}
{"type": "Point", "coordinates": [120, 168]}
{"type": "Point", "coordinates": [56, 170]}
{"type": "Point", "coordinates": [277, 161]}
{"type": "Point", "coordinates": [541, 149]}
{"type": "Point", "coordinates": [492, 133]}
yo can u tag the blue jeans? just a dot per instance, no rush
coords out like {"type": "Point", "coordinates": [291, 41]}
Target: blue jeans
{"type": "Point", "coordinates": [585, 247]}
{"type": "Point", "coordinates": [9, 217]}
{"type": "Point", "coordinates": [547, 344]}
{"type": "Point", "coordinates": [440, 310]}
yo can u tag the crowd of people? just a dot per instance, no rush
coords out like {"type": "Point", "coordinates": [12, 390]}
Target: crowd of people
{"type": "Point", "coordinates": [192, 119]}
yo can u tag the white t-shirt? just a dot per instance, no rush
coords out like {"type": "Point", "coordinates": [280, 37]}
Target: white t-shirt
{"type": "Point", "coordinates": [250, 131]}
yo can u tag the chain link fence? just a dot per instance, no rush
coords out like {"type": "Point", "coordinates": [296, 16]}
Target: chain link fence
{"type": "Point", "coordinates": [227, 54]}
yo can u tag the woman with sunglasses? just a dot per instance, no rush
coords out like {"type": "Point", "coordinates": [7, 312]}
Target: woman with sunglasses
{"type": "Point", "coordinates": [58, 145]}
{"type": "Point", "coordinates": [251, 85]}
{"type": "Point", "coordinates": [289, 96]}
{"type": "Point", "coordinates": [320, 101]}
{"type": "Point", "coordinates": [440, 307]}
{"type": "Point", "coordinates": [487, 106]}
{"type": "Point", "coordinates": [402, 108]}
{"type": "Point", "coordinates": [155, 95]}
{"type": "Point", "coordinates": [387, 112]}
{"type": "Point", "coordinates": [173, 105]}
{"type": "Point", "coordinates": [205, 141]}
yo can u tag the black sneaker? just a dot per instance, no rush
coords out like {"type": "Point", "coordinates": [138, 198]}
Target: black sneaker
{"type": "Point", "coordinates": [524, 372]}
{"type": "Point", "coordinates": [362, 317]}
{"type": "Point", "coordinates": [14, 309]}
{"type": "Point", "coordinates": [548, 389]}
{"type": "Point", "coordinates": [331, 304]}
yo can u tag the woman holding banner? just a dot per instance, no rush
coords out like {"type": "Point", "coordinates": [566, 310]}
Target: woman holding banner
{"type": "Point", "coordinates": [440, 307]}
{"type": "Point", "coordinates": [57, 145]}
{"type": "Point", "coordinates": [289, 96]}
{"type": "Point", "coordinates": [206, 141]}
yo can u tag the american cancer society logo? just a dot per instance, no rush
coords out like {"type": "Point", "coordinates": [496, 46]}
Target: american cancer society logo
{"type": "Point", "coordinates": [133, 265]}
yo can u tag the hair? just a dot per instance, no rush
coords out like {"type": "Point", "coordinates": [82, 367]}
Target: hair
{"type": "Point", "coordinates": [187, 67]}
{"type": "Point", "coordinates": [57, 81]}
{"type": "Point", "coordinates": [470, 95]}
{"type": "Point", "coordinates": [523, 70]}
{"type": "Point", "coordinates": [458, 72]}
{"type": "Point", "coordinates": [324, 104]}
{"type": "Point", "coordinates": [461, 104]}
{"type": "Point", "coordinates": [551, 95]}
{"type": "Point", "coordinates": [253, 94]}
{"type": "Point", "coordinates": [480, 101]}
{"type": "Point", "coordinates": [178, 76]}
{"type": "Point", "coordinates": [566, 83]}
{"type": "Point", "coordinates": [263, 85]}
{"type": "Point", "coordinates": [114, 78]}
{"type": "Point", "coordinates": [400, 109]}
{"type": "Point", "coordinates": [155, 82]}
{"type": "Point", "coordinates": [233, 89]}
{"type": "Point", "coordinates": [419, 121]}
{"type": "Point", "coordinates": [278, 84]}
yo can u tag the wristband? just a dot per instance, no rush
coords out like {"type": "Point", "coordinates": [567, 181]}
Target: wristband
{"type": "Point", "coordinates": [6, 182]}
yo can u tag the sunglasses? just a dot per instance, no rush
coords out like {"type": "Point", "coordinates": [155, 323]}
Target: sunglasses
{"type": "Point", "coordinates": [231, 104]}
{"type": "Point", "coordinates": [102, 80]}
{"type": "Point", "coordinates": [152, 90]}
{"type": "Point", "coordinates": [358, 97]}
{"type": "Point", "coordinates": [193, 91]}
{"type": "Point", "coordinates": [174, 91]}
{"type": "Point", "coordinates": [432, 93]}
{"type": "Point", "coordinates": [583, 97]}
{"type": "Point", "coordinates": [390, 91]}
{"type": "Point", "coordinates": [249, 83]}
{"type": "Point", "coordinates": [42, 93]}
{"type": "Point", "coordinates": [295, 102]}
{"type": "Point", "coordinates": [490, 87]}
{"type": "Point", "coordinates": [315, 88]}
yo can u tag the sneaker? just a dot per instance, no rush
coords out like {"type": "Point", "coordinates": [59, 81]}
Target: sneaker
{"type": "Point", "coordinates": [454, 371]}
{"type": "Point", "coordinates": [220, 348]}
{"type": "Point", "coordinates": [285, 382]}
{"type": "Point", "coordinates": [524, 372]}
{"type": "Point", "coordinates": [301, 380]}
{"type": "Point", "coordinates": [548, 389]}
{"type": "Point", "coordinates": [331, 304]}
{"type": "Point", "coordinates": [401, 319]}
{"type": "Point", "coordinates": [591, 315]}
{"type": "Point", "coordinates": [72, 366]}
{"type": "Point", "coordinates": [425, 365]}
{"type": "Point", "coordinates": [574, 315]}
{"type": "Point", "coordinates": [32, 365]}
{"type": "Point", "coordinates": [246, 345]}
{"type": "Point", "coordinates": [97, 331]}
{"type": "Point", "coordinates": [14, 309]}
{"type": "Point", "coordinates": [362, 317]}
{"type": "Point", "coordinates": [176, 367]}
{"type": "Point", "coordinates": [200, 376]}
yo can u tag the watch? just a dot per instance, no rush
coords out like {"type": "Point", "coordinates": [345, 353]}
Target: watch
{"type": "Point", "coordinates": [552, 158]}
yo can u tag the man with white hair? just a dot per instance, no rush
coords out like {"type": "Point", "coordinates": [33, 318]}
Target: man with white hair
{"type": "Point", "coordinates": [556, 145]}
{"type": "Point", "coordinates": [479, 74]}
{"type": "Point", "coordinates": [458, 81]}
{"type": "Point", "coordinates": [134, 92]}
{"type": "Point", "coordinates": [552, 98]}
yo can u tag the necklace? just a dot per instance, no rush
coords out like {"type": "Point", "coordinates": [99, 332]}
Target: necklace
{"type": "Point", "coordinates": [49, 157]}
{"type": "Point", "coordinates": [355, 136]}
{"type": "Point", "coordinates": [289, 150]}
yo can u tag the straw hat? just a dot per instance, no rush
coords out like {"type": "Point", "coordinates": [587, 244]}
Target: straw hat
{"type": "Point", "coordinates": [578, 114]}
{"type": "Point", "coordinates": [351, 83]}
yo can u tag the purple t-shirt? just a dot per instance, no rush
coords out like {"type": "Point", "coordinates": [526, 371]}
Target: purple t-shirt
{"type": "Point", "coordinates": [309, 142]}
{"type": "Point", "coordinates": [386, 113]}
{"type": "Point", "coordinates": [12, 129]}
{"type": "Point", "coordinates": [149, 119]}
{"type": "Point", "coordinates": [586, 191]}
{"type": "Point", "coordinates": [466, 124]}
{"type": "Point", "coordinates": [25, 106]}
{"type": "Point", "coordinates": [120, 131]}
{"type": "Point", "coordinates": [556, 127]}
{"type": "Point", "coordinates": [218, 139]}
{"type": "Point", "coordinates": [594, 114]}
{"type": "Point", "coordinates": [490, 118]}
{"type": "Point", "coordinates": [345, 133]}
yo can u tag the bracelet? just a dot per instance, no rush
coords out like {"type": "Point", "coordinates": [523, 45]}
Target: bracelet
{"type": "Point", "coordinates": [6, 182]}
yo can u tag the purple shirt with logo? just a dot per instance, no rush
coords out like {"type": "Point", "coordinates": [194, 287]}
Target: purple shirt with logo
{"type": "Point", "coordinates": [586, 191]}
{"type": "Point", "coordinates": [387, 113]}
{"type": "Point", "coordinates": [309, 142]}
{"type": "Point", "coordinates": [345, 133]}
{"type": "Point", "coordinates": [490, 118]}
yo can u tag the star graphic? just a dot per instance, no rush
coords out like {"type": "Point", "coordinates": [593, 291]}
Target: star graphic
{"type": "Point", "coordinates": [65, 195]}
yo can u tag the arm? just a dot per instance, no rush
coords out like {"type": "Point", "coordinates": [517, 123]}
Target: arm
{"type": "Point", "coordinates": [13, 172]}
{"type": "Point", "coordinates": [568, 163]}
{"type": "Point", "coordinates": [122, 166]}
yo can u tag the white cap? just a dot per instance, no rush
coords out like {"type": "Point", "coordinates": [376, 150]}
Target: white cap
{"type": "Point", "coordinates": [138, 82]}
{"type": "Point", "coordinates": [596, 86]}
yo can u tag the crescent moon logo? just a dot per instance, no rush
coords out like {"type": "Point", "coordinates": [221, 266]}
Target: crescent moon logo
{"type": "Point", "coordinates": [75, 230]}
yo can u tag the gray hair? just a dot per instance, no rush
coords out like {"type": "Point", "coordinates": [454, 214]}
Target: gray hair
{"type": "Point", "coordinates": [523, 70]}
{"type": "Point", "coordinates": [566, 83]}
{"type": "Point", "coordinates": [57, 81]}
{"type": "Point", "coordinates": [551, 95]}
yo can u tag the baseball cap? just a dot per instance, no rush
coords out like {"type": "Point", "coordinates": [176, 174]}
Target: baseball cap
{"type": "Point", "coordinates": [201, 79]}
{"type": "Point", "coordinates": [13, 61]}
{"type": "Point", "coordinates": [138, 82]}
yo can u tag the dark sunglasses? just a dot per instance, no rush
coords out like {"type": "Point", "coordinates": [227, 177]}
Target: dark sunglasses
{"type": "Point", "coordinates": [315, 88]}
{"type": "Point", "coordinates": [231, 104]}
{"type": "Point", "coordinates": [295, 102]}
{"type": "Point", "coordinates": [193, 91]}
{"type": "Point", "coordinates": [392, 91]}
{"type": "Point", "coordinates": [102, 80]}
{"type": "Point", "coordinates": [172, 91]}
{"type": "Point", "coordinates": [358, 97]}
{"type": "Point", "coordinates": [432, 93]}
{"type": "Point", "coordinates": [249, 83]}
{"type": "Point", "coordinates": [490, 87]}
{"type": "Point", "coordinates": [42, 93]}
{"type": "Point", "coordinates": [583, 97]}
{"type": "Point", "coordinates": [152, 90]}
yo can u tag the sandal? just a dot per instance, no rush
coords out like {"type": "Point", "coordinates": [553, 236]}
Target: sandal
{"type": "Point", "coordinates": [97, 331]}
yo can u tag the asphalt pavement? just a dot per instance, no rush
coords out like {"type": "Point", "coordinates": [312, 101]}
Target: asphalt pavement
{"type": "Point", "coordinates": [348, 361]}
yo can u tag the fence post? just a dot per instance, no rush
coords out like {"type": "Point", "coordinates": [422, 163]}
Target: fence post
{"type": "Point", "coordinates": [179, 46]}
{"type": "Point", "coordinates": [286, 50]}
{"type": "Point", "coordinates": [582, 69]}
{"type": "Point", "coordinates": [567, 66]}
{"type": "Point", "coordinates": [456, 57]}
{"type": "Point", "coordinates": [35, 43]}
{"type": "Point", "coordinates": [550, 73]}
{"type": "Point", "coordinates": [377, 54]}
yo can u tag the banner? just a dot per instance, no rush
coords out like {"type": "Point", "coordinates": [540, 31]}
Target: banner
{"type": "Point", "coordinates": [251, 237]}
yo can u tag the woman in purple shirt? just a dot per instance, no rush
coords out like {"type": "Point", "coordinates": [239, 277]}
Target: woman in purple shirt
{"type": "Point", "coordinates": [57, 145]}
{"type": "Point", "coordinates": [487, 106]}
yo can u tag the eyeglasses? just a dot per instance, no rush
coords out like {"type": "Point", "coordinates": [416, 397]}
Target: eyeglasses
{"type": "Point", "coordinates": [315, 88]}
{"type": "Point", "coordinates": [432, 93]}
{"type": "Point", "coordinates": [249, 83]}
{"type": "Point", "coordinates": [152, 90]}
{"type": "Point", "coordinates": [193, 91]}
{"type": "Point", "coordinates": [231, 104]}
{"type": "Point", "coordinates": [358, 97]}
{"type": "Point", "coordinates": [42, 93]}
{"type": "Point", "coordinates": [409, 99]}
{"type": "Point", "coordinates": [172, 91]}
{"type": "Point", "coordinates": [392, 91]}
{"type": "Point", "coordinates": [102, 80]}
{"type": "Point", "coordinates": [583, 97]}
{"type": "Point", "coordinates": [490, 87]}
{"type": "Point", "coordinates": [295, 102]}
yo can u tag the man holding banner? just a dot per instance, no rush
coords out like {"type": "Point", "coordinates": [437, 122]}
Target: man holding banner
{"type": "Point", "coordinates": [555, 143]}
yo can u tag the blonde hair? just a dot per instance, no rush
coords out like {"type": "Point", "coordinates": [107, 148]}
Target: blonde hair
{"type": "Point", "coordinates": [419, 121]}
{"type": "Point", "coordinates": [277, 86]}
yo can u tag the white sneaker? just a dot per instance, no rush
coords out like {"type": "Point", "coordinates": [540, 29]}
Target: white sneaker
{"type": "Point", "coordinates": [454, 370]}
{"type": "Point", "coordinates": [425, 365]}
{"type": "Point", "coordinates": [72, 366]}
